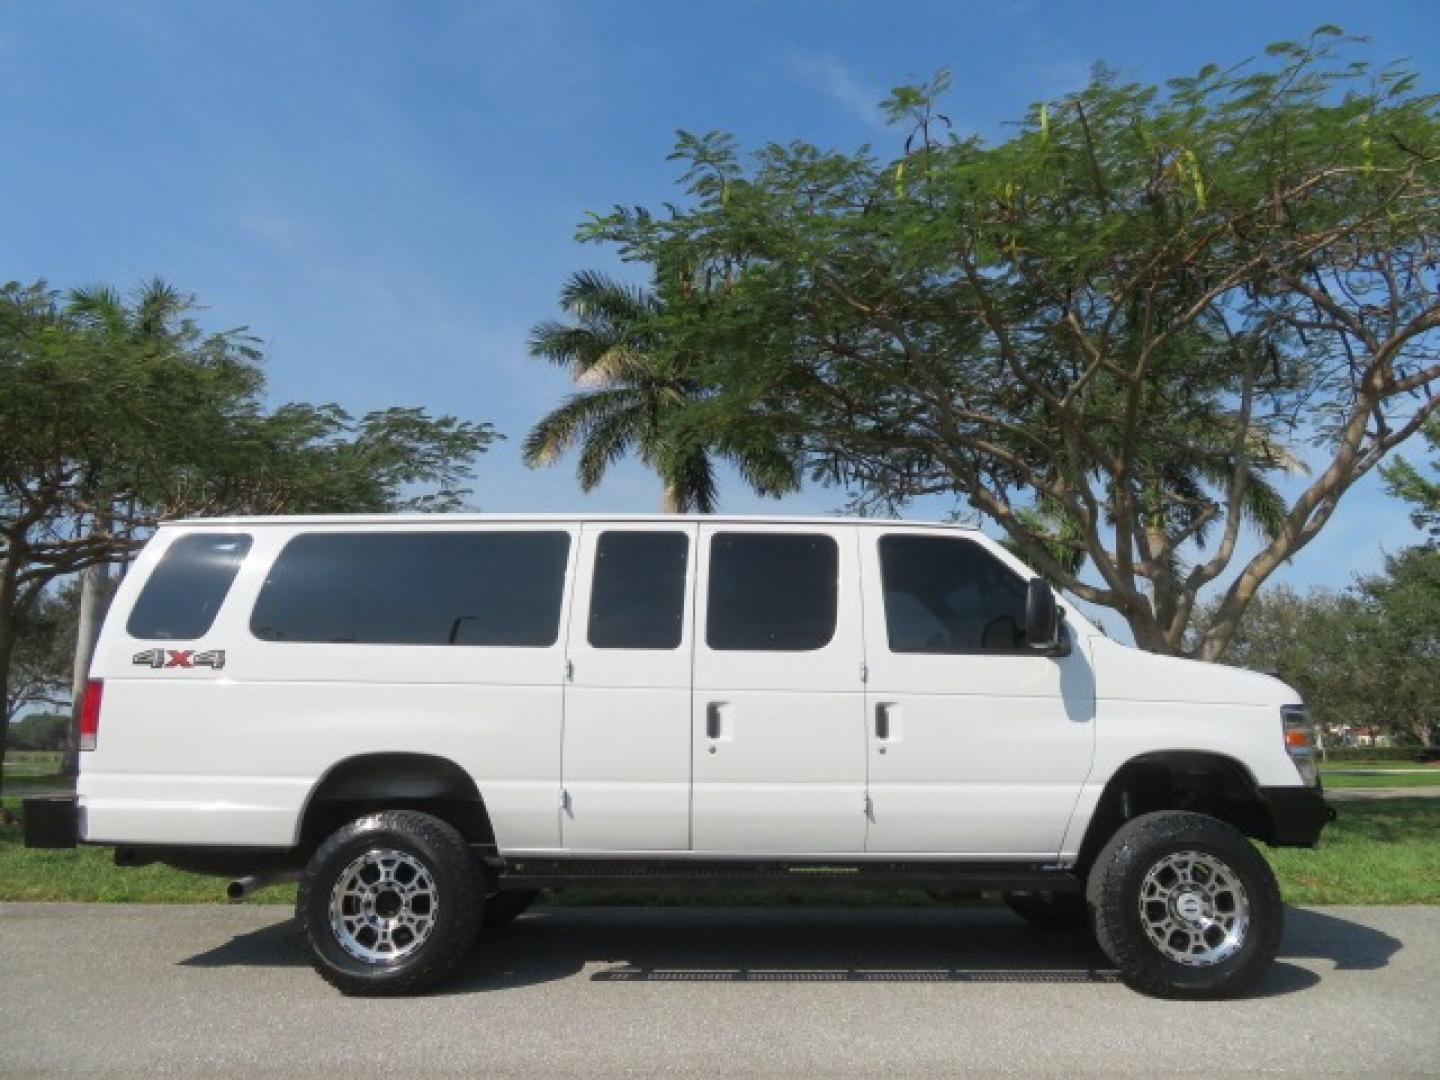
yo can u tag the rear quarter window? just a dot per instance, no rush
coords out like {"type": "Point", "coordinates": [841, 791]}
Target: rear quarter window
{"type": "Point", "coordinates": [180, 599]}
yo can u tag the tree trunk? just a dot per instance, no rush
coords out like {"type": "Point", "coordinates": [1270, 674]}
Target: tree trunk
{"type": "Point", "coordinates": [670, 502]}
{"type": "Point", "coordinates": [8, 600]}
{"type": "Point", "coordinates": [1150, 638]}
{"type": "Point", "coordinates": [92, 590]}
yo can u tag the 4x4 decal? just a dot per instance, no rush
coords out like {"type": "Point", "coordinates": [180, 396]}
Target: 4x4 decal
{"type": "Point", "coordinates": [180, 658]}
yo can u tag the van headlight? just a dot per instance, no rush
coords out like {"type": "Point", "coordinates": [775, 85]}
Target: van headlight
{"type": "Point", "coordinates": [1300, 742]}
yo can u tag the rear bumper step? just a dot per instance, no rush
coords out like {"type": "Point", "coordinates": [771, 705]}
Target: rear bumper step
{"type": "Point", "coordinates": [701, 874]}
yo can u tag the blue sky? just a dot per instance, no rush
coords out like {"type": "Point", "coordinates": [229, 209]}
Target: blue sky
{"type": "Point", "coordinates": [387, 192]}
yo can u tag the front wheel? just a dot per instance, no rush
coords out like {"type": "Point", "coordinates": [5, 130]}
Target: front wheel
{"type": "Point", "coordinates": [390, 904]}
{"type": "Point", "coordinates": [1185, 906]}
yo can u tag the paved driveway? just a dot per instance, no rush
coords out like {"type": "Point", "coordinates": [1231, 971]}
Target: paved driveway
{"type": "Point", "coordinates": [798, 991]}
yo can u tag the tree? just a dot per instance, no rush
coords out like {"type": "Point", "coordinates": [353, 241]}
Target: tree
{"type": "Point", "coordinates": [40, 664]}
{"type": "Point", "coordinates": [40, 731]}
{"type": "Point", "coordinates": [154, 319]}
{"type": "Point", "coordinates": [1399, 644]}
{"type": "Point", "coordinates": [116, 417]}
{"type": "Point", "coordinates": [630, 388]}
{"type": "Point", "coordinates": [1109, 334]}
{"type": "Point", "coordinates": [1405, 481]}
{"type": "Point", "coordinates": [1309, 640]}
{"type": "Point", "coordinates": [1367, 657]}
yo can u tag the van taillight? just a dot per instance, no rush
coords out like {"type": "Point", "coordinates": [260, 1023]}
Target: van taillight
{"type": "Point", "coordinates": [90, 714]}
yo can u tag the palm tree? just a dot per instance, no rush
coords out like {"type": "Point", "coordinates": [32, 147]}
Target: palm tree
{"type": "Point", "coordinates": [155, 315]}
{"type": "Point", "coordinates": [629, 391]}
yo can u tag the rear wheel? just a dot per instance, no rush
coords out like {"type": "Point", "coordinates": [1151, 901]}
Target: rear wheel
{"type": "Point", "coordinates": [1185, 906]}
{"type": "Point", "coordinates": [390, 904]}
{"type": "Point", "coordinates": [503, 908]}
{"type": "Point", "coordinates": [1051, 910]}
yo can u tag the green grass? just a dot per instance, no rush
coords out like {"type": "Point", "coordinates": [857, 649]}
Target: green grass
{"type": "Point", "coordinates": [1381, 779]}
{"type": "Point", "coordinates": [1326, 766]}
{"type": "Point", "coordinates": [89, 874]}
{"type": "Point", "coordinates": [25, 783]}
{"type": "Point", "coordinates": [31, 763]}
{"type": "Point", "coordinates": [1385, 851]}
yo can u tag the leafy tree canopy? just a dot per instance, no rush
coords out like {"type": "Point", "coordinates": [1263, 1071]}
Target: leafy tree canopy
{"type": "Point", "coordinates": [1113, 333]}
{"type": "Point", "coordinates": [1368, 657]}
{"type": "Point", "coordinates": [1406, 481]}
{"type": "Point", "coordinates": [116, 414]}
{"type": "Point", "coordinates": [43, 659]}
{"type": "Point", "coordinates": [40, 731]}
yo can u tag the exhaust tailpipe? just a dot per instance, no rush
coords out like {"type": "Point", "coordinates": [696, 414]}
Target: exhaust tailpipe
{"type": "Point", "coordinates": [242, 887]}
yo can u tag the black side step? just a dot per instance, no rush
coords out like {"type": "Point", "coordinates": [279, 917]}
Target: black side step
{"type": "Point", "coordinates": [682, 874]}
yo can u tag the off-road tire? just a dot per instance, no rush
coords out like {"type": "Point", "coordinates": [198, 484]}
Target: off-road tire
{"type": "Point", "coordinates": [1051, 910]}
{"type": "Point", "coordinates": [458, 886]}
{"type": "Point", "coordinates": [1114, 891]}
{"type": "Point", "coordinates": [503, 908]}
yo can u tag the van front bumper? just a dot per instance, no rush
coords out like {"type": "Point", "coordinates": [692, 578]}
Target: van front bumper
{"type": "Point", "coordinates": [51, 822]}
{"type": "Point", "coordinates": [1297, 815]}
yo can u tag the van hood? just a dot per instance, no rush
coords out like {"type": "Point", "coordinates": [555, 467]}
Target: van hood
{"type": "Point", "coordinates": [1128, 674]}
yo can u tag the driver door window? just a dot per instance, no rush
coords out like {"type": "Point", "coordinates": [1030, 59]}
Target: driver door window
{"type": "Point", "coordinates": [946, 595]}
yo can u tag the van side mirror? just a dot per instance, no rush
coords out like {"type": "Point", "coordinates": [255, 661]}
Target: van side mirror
{"type": "Point", "coordinates": [1042, 617]}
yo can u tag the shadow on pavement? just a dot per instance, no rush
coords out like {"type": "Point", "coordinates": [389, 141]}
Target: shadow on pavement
{"type": "Point", "coordinates": [276, 945]}
{"type": "Point", "coordinates": [770, 945]}
{"type": "Point", "coordinates": [1316, 935]}
{"type": "Point", "coordinates": [810, 945]}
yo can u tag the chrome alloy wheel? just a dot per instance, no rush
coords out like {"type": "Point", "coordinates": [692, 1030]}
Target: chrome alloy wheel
{"type": "Point", "coordinates": [1194, 908]}
{"type": "Point", "coordinates": [383, 906]}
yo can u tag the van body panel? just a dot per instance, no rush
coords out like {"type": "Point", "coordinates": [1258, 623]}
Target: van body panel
{"type": "Point", "coordinates": [785, 768]}
{"type": "Point", "coordinates": [626, 757]}
{"type": "Point", "coordinates": [691, 751]}
{"type": "Point", "coordinates": [1152, 704]}
{"type": "Point", "coordinates": [290, 711]}
{"type": "Point", "coordinates": [981, 754]}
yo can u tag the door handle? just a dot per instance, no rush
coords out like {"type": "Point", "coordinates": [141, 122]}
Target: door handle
{"type": "Point", "coordinates": [712, 719]}
{"type": "Point", "coordinates": [882, 721]}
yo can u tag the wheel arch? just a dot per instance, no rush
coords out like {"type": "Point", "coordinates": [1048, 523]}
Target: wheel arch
{"type": "Point", "coordinates": [1200, 781]}
{"type": "Point", "coordinates": [394, 780]}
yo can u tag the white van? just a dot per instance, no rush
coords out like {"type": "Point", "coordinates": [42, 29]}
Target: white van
{"type": "Point", "coordinates": [428, 719]}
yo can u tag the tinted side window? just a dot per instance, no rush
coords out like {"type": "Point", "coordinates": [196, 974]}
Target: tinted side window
{"type": "Point", "coordinates": [947, 595]}
{"type": "Point", "coordinates": [772, 592]}
{"type": "Point", "coordinates": [416, 588]}
{"type": "Point", "coordinates": [637, 600]}
{"type": "Point", "coordinates": [183, 594]}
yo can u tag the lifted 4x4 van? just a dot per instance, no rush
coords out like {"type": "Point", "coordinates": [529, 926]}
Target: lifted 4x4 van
{"type": "Point", "coordinates": [428, 719]}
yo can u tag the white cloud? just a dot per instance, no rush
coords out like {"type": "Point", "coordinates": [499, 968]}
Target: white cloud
{"type": "Point", "coordinates": [827, 74]}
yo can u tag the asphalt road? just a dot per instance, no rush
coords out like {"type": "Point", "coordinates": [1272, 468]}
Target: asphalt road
{"type": "Point", "coordinates": [702, 991]}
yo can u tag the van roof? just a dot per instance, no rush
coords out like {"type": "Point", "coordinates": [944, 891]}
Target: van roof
{"type": "Point", "coordinates": [480, 519]}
